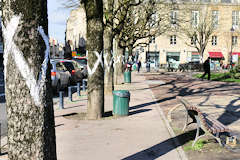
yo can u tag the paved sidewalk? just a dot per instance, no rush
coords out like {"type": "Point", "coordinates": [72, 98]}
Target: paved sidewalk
{"type": "Point", "coordinates": [143, 135]}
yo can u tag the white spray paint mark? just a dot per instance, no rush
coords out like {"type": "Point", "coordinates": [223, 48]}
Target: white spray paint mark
{"type": "Point", "coordinates": [43, 74]}
{"type": "Point", "coordinates": [99, 61]}
{"type": "Point", "coordinates": [106, 62]}
{"type": "Point", "coordinates": [8, 33]}
{"type": "Point", "coordinates": [26, 72]}
{"type": "Point", "coordinates": [118, 59]}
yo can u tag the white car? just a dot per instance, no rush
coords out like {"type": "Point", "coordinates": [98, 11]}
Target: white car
{"type": "Point", "coordinates": [60, 76]}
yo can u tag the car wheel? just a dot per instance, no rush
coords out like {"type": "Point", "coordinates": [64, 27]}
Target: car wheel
{"type": "Point", "coordinates": [58, 87]}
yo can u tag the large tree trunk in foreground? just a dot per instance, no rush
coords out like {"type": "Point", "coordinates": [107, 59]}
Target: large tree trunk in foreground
{"type": "Point", "coordinates": [118, 65]}
{"type": "Point", "coordinates": [108, 47]}
{"type": "Point", "coordinates": [94, 13]}
{"type": "Point", "coordinates": [30, 115]}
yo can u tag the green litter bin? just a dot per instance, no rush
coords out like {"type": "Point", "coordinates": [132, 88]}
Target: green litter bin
{"type": "Point", "coordinates": [134, 67]}
{"type": "Point", "coordinates": [127, 77]}
{"type": "Point", "coordinates": [121, 100]}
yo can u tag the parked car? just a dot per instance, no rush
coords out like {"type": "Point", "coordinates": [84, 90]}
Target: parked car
{"type": "Point", "coordinates": [60, 75]}
{"type": "Point", "coordinates": [80, 66]}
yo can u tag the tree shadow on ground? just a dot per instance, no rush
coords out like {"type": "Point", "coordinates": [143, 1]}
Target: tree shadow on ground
{"type": "Point", "coordinates": [164, 147]}
{"type": "Point", "coordinates": [183, 86]}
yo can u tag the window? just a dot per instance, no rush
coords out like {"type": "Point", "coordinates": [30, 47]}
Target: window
{"type": "Point", "coordinates": [215, 1]}
{"type": "Point", "coordinates": [214, 40]}
{"type": "Point", "coordinates": [235, 19]}
{"type": "Point", "coordinates": [173, 39]}
{"type": "Point", "coordinates": [173, 17]}
{"type": "Point", "coordinates": [215, 18]}
{"type": "Point", "coordinates": [234, 40]}
{"type": "Point", "coordinates": [195, 18]}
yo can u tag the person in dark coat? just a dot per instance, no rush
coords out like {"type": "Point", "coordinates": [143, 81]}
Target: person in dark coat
{"type": "Point", "coordinates": [68, 51]}
{"type": "Point", "coordinates": [206, 68]}
{"type": "Point", "coordinates": [139, 64]}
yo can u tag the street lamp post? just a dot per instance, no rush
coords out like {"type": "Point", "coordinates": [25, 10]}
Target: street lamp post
{"type": "Point", "coordinates": [231, 30]}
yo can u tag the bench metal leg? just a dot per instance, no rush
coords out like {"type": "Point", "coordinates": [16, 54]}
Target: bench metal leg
{"type": "Point", "coordinates": [186, 122]}
{"type": "Point", "coordinates": [218, 139]}
{"type": "Point", "coordinates": [197, 137]}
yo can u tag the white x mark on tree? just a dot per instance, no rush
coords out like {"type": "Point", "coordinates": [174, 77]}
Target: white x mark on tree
{"type": "Point", "coordinates": [106, 62]}
{"type": "Point", "coordinates": [34, 86]}
{"type": "Point", "coordinates": [118, 59]}
{"type": "Point", "coordinates": [99, 61]}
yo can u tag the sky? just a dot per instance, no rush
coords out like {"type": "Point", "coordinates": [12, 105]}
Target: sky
{"type": "Point", "coordinates": [57, 18]}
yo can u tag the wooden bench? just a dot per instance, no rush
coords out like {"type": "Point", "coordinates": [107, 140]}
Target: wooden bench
{"type": "Point", "coordinates": [209, 125]}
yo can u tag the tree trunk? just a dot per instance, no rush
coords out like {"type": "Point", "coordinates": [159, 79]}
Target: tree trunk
{"type": "Point", "coordinates": [118, 65]}
{"type": "Point", "coordinates": [108, 47]}
{"type": "Point", "coordinates": [30, 114]}
{"type": "Point", "coordinates": [94, 13]}
{"type": "Point", "coordinates": [130, 52]}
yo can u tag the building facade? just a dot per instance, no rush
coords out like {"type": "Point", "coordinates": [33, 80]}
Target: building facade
{"type": "Point", "coordinates": [76, 29]}
{"type": "Point", "coordinates": [223, 44]}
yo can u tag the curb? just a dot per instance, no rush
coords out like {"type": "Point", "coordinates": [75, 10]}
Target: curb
{"type": "Point", "coordinates": [179, 149]}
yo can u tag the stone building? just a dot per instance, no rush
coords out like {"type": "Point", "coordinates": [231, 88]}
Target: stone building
{"type": "Point", "coordinates": [223, 41]}
{"type": "Point", "coordinates": [76, 29]}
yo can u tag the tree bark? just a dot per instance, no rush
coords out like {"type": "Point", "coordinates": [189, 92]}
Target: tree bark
{"type": "Point", "coordinates": [118, 64]}
{"type": "Point", "coordinates": [108, 47]}
{"type": "Point", "coordinates": [94, 13]}
{"type": "Point", "coordinates": [30, 114]}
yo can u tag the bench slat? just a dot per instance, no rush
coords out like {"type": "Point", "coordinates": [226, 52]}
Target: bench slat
{"type": "Point", "coordinates": [218, 124]}
{"type": "Point", "coordinates": [210, 123]}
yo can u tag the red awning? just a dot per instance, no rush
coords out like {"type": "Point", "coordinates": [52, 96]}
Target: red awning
{"type": "Point", "coordinates": [215, 54]}
{"type": "Point", "coordinates": [195, 53]}
{"type": "Point", "coordinates": [236, 53]}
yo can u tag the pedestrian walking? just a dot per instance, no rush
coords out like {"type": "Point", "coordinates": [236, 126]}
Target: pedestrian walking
{"type": "Point", "coordinates": [206, 68]}
{"type": "Point", "coordinates": [139, 65]}
{"type": "Point", "coordinates": [68, 50]}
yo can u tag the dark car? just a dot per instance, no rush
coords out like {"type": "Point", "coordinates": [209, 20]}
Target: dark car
{"type": "Point", "coordinates": [78, 70]}
{"type": "Point", "coordinates": [60, 75]}
{"type": "Point", "coordinates": [80, 65]}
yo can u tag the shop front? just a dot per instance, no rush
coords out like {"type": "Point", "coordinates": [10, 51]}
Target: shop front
{"type": "Point", "coordinates": [153, 58]}
{"type": "Point", "coordinates": [216, 60]}
{"type": "Point", "coordinates": [173, 56]}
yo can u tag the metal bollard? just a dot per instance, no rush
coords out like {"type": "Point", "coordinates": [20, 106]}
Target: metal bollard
{"type": "Point", "coordinates": [70, 93]}
{"type": "Point", "coordinates": [78, 89]}
{"type": "Point", "coordinates": [61, 100]}
{"type": "Point", "coordinates": [84, 85]}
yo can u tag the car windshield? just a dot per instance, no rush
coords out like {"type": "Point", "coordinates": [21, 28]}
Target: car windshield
{"type": "Point", "coordinates": [77, 65]}
{"type": "Point", "coordinates": [81, 61]}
